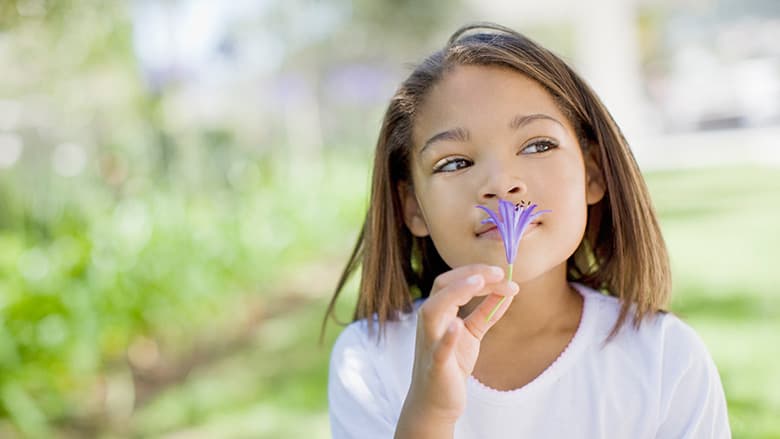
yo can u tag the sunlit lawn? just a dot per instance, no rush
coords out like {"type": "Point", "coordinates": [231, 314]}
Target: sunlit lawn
{"type": "Point", "coordinates": [720, 228]}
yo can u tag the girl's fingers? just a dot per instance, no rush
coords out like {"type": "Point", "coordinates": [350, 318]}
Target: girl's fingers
{"type": "Point", "coordinates": [445, 347]}
{"type": "Point", "coordinates": [476, 322]}
{"type": "Point", "coordinates": [440, 309]}
{"type": "Point", "coordinates": [490, 273]}
{"type": "Point", "coordinates": [460, 292]}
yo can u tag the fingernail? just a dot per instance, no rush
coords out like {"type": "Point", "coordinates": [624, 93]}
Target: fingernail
{"type": "Point", "coordinates": [498, 271]}
{"type": "Point", "coordinates": [515, 287]}
{"type": "Point", "coordinates": [473, 279]}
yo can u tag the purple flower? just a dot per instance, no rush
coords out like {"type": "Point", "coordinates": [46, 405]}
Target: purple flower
{"type": "Point", "coordinates": [512, 220]}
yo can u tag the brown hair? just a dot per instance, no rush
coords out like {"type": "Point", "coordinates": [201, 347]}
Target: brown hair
{"type": "Point", "coordinates": [622, 252]}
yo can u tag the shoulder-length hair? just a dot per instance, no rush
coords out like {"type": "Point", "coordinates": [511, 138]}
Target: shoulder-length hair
{"type": "Point", "coordinates": [622, 252]}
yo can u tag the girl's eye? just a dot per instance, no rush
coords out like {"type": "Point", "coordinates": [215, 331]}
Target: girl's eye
{"type": "Point", "coordinates": [539, 146]}
{"type": "Point", "coordinates": [451, 165]}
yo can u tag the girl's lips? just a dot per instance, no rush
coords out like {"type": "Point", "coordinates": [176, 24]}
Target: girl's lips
{"type": "Point", "coordinates": [493, 233]}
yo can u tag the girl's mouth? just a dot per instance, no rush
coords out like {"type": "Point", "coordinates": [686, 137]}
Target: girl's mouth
{"type": "Point", "coordinates": [492, 233]}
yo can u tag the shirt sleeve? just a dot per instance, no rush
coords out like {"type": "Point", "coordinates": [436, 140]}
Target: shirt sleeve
{"type": "Point", "coordinates": [357, 402]}
{"type": "Point", "coordinates": [693, 404]}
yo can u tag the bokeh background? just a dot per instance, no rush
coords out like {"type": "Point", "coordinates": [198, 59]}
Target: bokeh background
{"type": "Point", "coordinates": [181, 182]}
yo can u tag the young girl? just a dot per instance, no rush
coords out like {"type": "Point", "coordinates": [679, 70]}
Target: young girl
{"type": "Point", "coordinates": [582, 346]}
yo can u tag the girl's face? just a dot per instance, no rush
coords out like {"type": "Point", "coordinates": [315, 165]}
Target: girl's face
{"type": "Point", "coordinates": [484, 133]}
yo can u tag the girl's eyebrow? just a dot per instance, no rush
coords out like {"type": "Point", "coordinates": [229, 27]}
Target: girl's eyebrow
{"type": "Point", "coordinates": [455, 134]}
{"type": "Point", "coordinates": [462, 134]}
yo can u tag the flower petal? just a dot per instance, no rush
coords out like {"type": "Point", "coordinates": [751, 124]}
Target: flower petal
{"type": "Point", "coordinates": [493, 216]}
{"type": "Point", "coordinates": [511, 221]}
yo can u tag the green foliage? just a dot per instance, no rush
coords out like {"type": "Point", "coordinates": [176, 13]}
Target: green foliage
{"type": "Point", "coordinates": [80, 288]}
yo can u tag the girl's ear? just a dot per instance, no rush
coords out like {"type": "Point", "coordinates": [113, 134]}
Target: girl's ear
{"type": "Point", "coordinates": [413, 216]}
{"type": "Point", "coordinates": [596, 187]}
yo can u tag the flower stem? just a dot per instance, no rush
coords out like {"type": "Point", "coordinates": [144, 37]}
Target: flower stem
{"type": "Point", "coordinates": [508, 279]}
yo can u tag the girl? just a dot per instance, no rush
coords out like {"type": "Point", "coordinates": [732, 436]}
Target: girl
{"type": "Point", "coordinates": [581, 347]}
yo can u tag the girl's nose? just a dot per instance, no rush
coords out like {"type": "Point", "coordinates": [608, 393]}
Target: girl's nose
{"type": "Point", "coordinates": [502, 183]}
{"type": "Point", "coordinates": [502, 193]}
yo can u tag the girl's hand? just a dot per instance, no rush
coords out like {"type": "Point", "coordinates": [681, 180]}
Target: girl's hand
{"type": "Point", "coordinates": [447, 347]}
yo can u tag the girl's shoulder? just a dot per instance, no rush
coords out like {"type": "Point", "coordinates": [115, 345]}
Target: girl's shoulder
{"type": "Point", "coordinates": [373, 366]}
{"type": "Point", "coordinates": [661, 333]}
{"type": "Point", "coordinates": [666, 355]}
{"type": "Point", "coordinates": [366, 334]}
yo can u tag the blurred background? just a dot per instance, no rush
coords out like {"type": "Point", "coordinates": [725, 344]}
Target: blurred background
{"type": "Point", "coordinates": [181, 183]}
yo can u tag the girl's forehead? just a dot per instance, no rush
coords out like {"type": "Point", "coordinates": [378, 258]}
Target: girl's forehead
{"type": "Point", "coordinates": [486, 85]}
{"type": "Point", "coordinates": [482, 96]}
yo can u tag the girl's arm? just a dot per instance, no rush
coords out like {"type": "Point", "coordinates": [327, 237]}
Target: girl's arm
{"type": "Point", "coordinates": [415, 421]}
{"type": "Point", "coordinates": [446, 348]}
{"type": "Point", "coordinates": [415, 424]}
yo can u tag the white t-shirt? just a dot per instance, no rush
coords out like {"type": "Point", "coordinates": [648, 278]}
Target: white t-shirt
{"type": "Point", "coordinates": [658, 382]}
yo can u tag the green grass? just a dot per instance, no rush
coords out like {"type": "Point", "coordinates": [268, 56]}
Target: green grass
{"type": "Point", "coordinates": [720, 226]}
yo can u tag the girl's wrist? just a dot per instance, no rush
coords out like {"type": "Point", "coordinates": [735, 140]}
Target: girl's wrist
{"type": "Point", "coordinates": [419, 411]}
{"type": "Point", "coordinates": [418, 423]}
